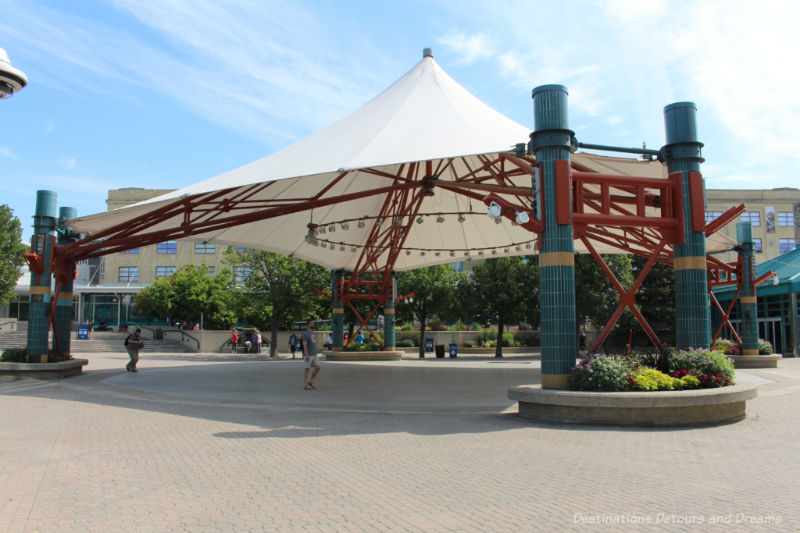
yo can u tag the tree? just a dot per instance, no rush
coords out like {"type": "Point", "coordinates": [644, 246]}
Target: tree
{"type": "Point", "coordinates": [12, 253]}
{"type": "Point", "coordinates": [189, 294]}
{"type": "Point", "coordinates": [595, 296]}
{"type": "Point", "coordinates": [279, 290]}
{"type": "Point", "coordinates": [434, 291]}
{"type": "Point", "coordinates": [504, 291]}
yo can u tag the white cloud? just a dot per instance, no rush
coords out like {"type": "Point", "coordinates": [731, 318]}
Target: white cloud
{"type": "Point", "coordinates": [67, 162]}
{"type": "Point", "coordinates": [267, 69]}
{"type": "Point", "coordinates": [467, 48]}
{"type": "Point", "coordinates": [6, 152]}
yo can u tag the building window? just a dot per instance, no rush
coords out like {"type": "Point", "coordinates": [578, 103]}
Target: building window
{"type": "Point", "coordinates": [757, 246]}
{"type": "Point", "coordinates": [136, 251]}
{"type": "Point", "coordinates": [240, 249]}
{"type": "Point", "coordinates": [785, 245]}
{"type": "Point", "coordinates": [163, 272]}
{"type": "Point", "coordinates": [204, 248]}
{"type": "Point", "coordinates": [785, 218]}
{"type": "Point", "coordinates": [128, 274]}
{"type": "Point", "coordinates": [169, 247]}
{"type": "Point", "coordinates": [240, 273]}
{"type": "Point", "coordinates": [211, 270]}
{"type": "Point", "coordinates": [711, 216]}
{"type": "Point", "coordinates": [753, 217]}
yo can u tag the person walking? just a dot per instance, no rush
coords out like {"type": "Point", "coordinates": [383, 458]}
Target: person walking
{"type": "Point", "coordinates": [235, 342]}
{"type": "Point", "coordinates": [310, 359]}
{"type": "Point", "coordinates": [133, 343]}
{"type": "Point", "coordinates": [292, 343]}
{"type": "Point", "coordinates": [257, 341]}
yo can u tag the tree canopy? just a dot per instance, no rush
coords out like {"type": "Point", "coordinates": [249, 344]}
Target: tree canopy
{"type": "Point", "coordinates": [189, 294]}
{"type": "Point", "coordinates": [12, 252]}
{"type": "Point", "coordinates": [277, 290]}
{"type": "Point", "coordinates": [504, 291]}
{"type": "Point", "coordinates": [434, 294]}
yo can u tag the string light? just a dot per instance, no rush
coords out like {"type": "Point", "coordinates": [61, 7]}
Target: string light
{"type": "Point", "coordinates": [321, 230]}
{"type": "Point", "coordinates": [332, 228]}
{"type": "Point", "coordinates": [420, 220]}
{"type": "Point", "coordinates": [361, 224]}
{"type": "Point", "coordinates": [461, 218]}
{"type": "Point", "coordinates": [440, 219]}
{"type": "Point", "coordinates": [345, 226]}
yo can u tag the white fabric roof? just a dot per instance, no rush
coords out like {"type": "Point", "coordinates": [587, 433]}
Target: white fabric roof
{"type": "Point", "coordinates": [423, 116]}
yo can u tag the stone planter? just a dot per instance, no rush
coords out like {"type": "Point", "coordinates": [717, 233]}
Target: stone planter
{"type": "Point", "coordinates": [363, 356]}
{"type": "Point", "coordinates": [61, 369]}
{"type": "Point", "coordinates": [756, 361]}
{"type": "Point", "coordinates": [699, 407]}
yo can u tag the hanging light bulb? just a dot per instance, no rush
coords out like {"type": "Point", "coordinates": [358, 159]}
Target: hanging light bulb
{"type": "Point", "coordinates": [440, 219]}
{"type": "Point", "coordinates": [398, 221]}
{"type": "Point", "coordinates": [461, 218]}
{"type": "Point", "coordinates": [408, 252]}
{"type": "Point", "coordinates": [361, 224]}
{"type": "Point", "coordinates": [420, 220]}
{"type": "Point", "coordinates": [506, 250]}
{"type": "Point", "coordinates": [519, 248]}
{"type": "Point", "coordinates": [353, 249]}
{"type": "Point", "coordinates": [498, 220]}
{"type": "Point", "coordinates": [311, 236]}
{"type": "Point", "coordinates": [494, 251]}
{"type": "Point", "coordinates": [480, 253]}
{"type": "Point", "coordinates": [345, 226]}
{"type": "Point", "coordinates": [452, 253]}
{"type": "Point", "coordinates": [321, 230]}
{"type": "Point", "coordinates": [437, 254]}
{"type": "Point", "coordinates": [341, 248]}
{"type": "Point", "coordinates": [422, 254]}
{"type": "Point", "coordinates": [332, 228]}
{"type": "Point", "coordinates": [528, 246]}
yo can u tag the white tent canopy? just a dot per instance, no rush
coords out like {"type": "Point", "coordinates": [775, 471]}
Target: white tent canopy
{"type": "Point", "coordinates": [424, 124]}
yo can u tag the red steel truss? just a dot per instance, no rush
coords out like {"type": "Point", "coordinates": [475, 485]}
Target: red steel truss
{"type": "Point", "coordinates": [638, 215]}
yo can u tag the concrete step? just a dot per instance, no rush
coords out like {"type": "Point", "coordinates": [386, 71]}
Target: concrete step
{"type": "Point", "coordinates": [99, 341]}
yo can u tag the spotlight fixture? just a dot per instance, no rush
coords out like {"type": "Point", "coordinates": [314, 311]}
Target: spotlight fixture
{"type": "Point", "coordinates": [494, 210]}
{"type": "Point", "coordinates": [522, 217]}
{"type": "Point", "coordinates": [12, 80]}
{"type": "Point", "coordinates": [461, 218]}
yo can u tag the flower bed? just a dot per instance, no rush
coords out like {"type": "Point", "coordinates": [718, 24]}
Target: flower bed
{"type": "Point", "coordinates": [682, 370]}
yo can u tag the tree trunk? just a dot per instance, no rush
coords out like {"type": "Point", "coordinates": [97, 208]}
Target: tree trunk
{"type": "Point", "coordinates": [273, 339]}
{"type": "Point", "coordinates": [422, 334]}
{"type": "Point", "coordinates": [498, 352]}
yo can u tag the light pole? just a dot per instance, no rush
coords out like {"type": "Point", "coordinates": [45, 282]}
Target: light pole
{"type": "Point", "coordinates": [11, 80]}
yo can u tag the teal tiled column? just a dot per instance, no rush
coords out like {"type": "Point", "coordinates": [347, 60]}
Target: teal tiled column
{"type": "Point", "coordinates": [63, 318]}
{"type": "Point", "coordinates": [551, 141]}
{"type": "Point", "coordinates": [682, 154]}
{"type": "Point", "coordinates": [388, 316]}
{"type": "Point", "coordinates": [42, 242]}
{"type": "Point", "coordinates": [337, 335]}
{"type": "Point", "coordinates": [747, 297]}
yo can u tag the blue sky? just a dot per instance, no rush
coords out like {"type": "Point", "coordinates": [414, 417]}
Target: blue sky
{"type": "Point", "coordinates": [165, 93]}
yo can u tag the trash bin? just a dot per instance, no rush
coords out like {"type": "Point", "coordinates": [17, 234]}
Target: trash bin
{"type": "Point", "coordinates": [453, 350]}
{"type": "Point", "coordinates": [83, 331]}
{"type": "Point", "coordinates": [440, 351]}
{"type": "Point", "coordinates": [159, 334]}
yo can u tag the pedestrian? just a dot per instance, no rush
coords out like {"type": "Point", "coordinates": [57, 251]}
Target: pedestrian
{"type": "Point", "coordinates": [310, 359]}
{"type": "Point", "coordinates": [257, 341]}
{"type": "Point", "coordinates": [133, 343]}
{"type": "Point", "coordinates": [329, 342]}
{"type": "Point", "coordinates": [235, 342]}
{"type": "Point", "coordinates": [292, 343]}
{"type": "Point", "coordinates": [582, 339]}
{"type": "Point", "coordinates": [360, 338]}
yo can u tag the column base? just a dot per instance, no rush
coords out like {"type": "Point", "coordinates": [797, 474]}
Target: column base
{"type": "Point", "coordinates": [555, 381]}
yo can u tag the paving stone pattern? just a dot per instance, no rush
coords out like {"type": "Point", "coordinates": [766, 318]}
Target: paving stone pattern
{"type": "Point", "coordinates": [113, 451]}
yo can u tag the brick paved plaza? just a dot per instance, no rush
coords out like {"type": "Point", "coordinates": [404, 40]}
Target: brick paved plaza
{"type": "Point", "coordinates": [204, 443]}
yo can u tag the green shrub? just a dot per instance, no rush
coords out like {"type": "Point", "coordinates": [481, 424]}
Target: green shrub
{"type": "Point", "coordinates": [406, 339]}
{"type": "Point", "coordinates": [458, 326]}
{"type": "Point", "coordinates": [437, 324]}
{"type": "Point", "coordinates": [487, 335]}
{"type": "Point", "coordinates": [15, 355]}
{"type": "Point", "coordinates": [764, 347]}
{"type": "Point", "coordinates": [727, 347]}
{"type": "Point", "coordinates": [469, 344]}
{"type": "Point", "coordinates": [600, 372]}
{"type": "Point", "coordinates": [527, 338]}
{"type": "Point", "coordinates": [648, 379]}
{"type": "Point", "coordinates": [408, 326]}
{"type": "Point", "coordinates": [712, 368]}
